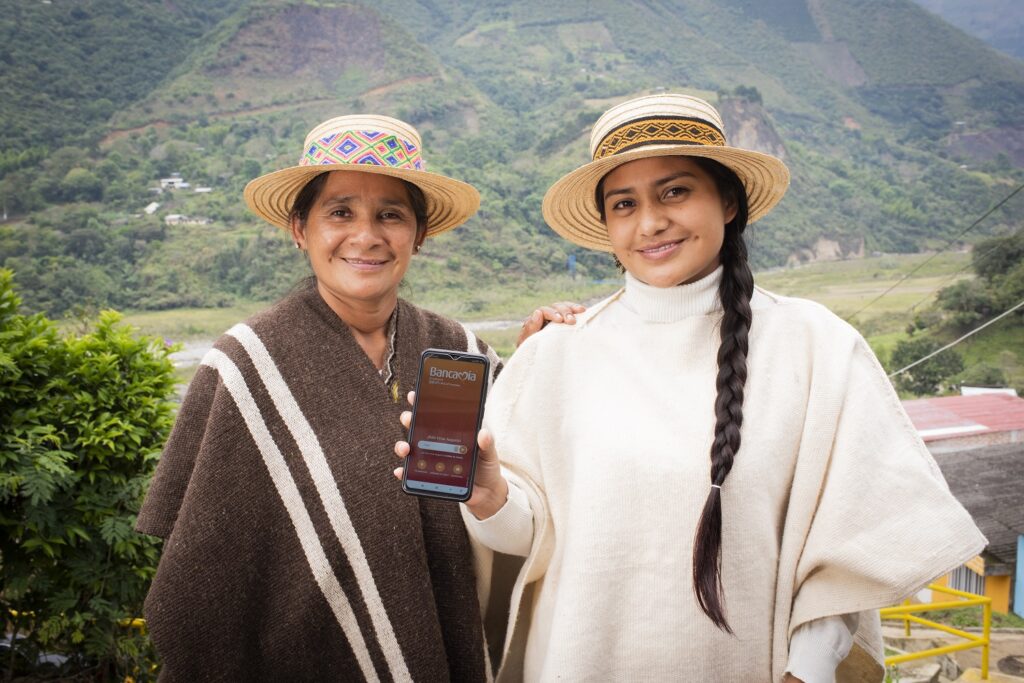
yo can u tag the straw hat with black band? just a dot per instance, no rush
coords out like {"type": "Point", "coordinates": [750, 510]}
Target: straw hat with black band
{"type": "Point", "coordinates": [364, 144]}
{"type": "Point", "coordinates": [649, 126]}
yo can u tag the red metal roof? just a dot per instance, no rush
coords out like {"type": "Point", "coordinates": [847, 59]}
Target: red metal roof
{"type": "Point", "coordinates": [954, 416]}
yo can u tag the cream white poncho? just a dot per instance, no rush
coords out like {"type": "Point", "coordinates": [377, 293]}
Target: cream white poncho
{"type": "Point", "coordinates": [833, 505]}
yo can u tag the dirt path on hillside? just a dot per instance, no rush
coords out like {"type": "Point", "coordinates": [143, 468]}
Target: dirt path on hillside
{"type": "Point", "coordinates": [163, 123]}
{"type": "Point", "coordinates": [267, 109]}
{"type": "Point", "coordinates": [385, 89]}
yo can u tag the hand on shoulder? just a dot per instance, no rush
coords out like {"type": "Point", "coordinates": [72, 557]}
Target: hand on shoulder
{"type": "Point", "coordinates": [560, 312]}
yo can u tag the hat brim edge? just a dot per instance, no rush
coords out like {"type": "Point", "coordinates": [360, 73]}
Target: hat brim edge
{"type": "Point", "coordinates": [450, 202]}
{"type": "Point", "coordinates": [569, 209]}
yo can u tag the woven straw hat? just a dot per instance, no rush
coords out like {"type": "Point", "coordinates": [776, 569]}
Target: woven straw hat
{"type": "Point", "coordinates": [365, 144]}
{"type": "Point", "coordinates": [656, 125]}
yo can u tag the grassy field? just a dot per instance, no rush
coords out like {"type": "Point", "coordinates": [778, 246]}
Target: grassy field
{"type": "Point", "coordinates": [1001, 345]}
{"type": "Point", "coordinates": [191, 324]}
{"type": "Point", "coordinates": [513, 303]}
{"type": "Point", "coordinates": [845, 287]}
{"type": "Point", "coordinates": [502, 341]}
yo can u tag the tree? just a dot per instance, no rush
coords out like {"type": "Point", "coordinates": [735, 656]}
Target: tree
{"type": "Point", "coordinates": [82, 422]}
{"type": "Point", "coordinates": [926, 378]}
{"type": "Point", "coordinates": [983, 375]}
{"type": "Point", "coordinates": [749, 93]}
{"type": "Point", "coordinates": [82, 184]}
{"type": "Point", "coordinates": [999, 264]}
{"type": "Point", "coordinates": [87, 242]}
{"type": "Point", "coordinates": [997, 256]}
{"type": "Point", "coordinates": [1011, 287]}
{"type": "Point", "coordinates": [969, 302]}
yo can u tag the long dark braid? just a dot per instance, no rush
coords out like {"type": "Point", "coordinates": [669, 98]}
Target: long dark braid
{"type": "Point", "coordinates": [734, 291]}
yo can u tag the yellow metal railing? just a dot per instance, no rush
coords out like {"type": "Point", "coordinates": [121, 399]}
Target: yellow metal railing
{"type": "Point", "coordinates": [907, 613]}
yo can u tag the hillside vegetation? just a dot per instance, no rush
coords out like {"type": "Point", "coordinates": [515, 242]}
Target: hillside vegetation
{"type": "Point", "coordinates": [994, 21]}
{"type": "Point", "coordinates": [872, 105]}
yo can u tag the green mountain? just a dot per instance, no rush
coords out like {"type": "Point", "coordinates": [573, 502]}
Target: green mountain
{"type": "Point", "coordinates": [1000, 23]}
{"type": "Point", "coordinates": [68, 66]}
{"type": "Point", "coordinates": [899, 129]}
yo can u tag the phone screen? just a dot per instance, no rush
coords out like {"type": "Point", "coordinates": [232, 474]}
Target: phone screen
{"type": "Point", "coordinates": [446, 418]}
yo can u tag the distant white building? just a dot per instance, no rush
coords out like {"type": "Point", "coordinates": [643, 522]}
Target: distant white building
{"type": "Point", "coordinates": [151, 208]}
{"type": "Point", "coordinates": [181, 219]}
{"type": "Point", "coordinates": [174, 182]}
{"type": "Point", "coordinates": [203, 190]}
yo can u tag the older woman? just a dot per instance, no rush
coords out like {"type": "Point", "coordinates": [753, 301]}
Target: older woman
{"type": "Point", "coordinates": [290, 554]}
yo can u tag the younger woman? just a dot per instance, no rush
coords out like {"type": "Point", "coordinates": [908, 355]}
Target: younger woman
{"type": "Point", "coordinates": [708, 481]}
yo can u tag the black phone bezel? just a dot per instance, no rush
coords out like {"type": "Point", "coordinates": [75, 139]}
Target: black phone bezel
{"type": "Point", "coordinates": [449, 354]}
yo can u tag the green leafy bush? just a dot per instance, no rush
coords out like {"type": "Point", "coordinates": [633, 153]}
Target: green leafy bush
{"type": "Point", "coordinates": [82, 422]}
{"type": "Point", "coordinates": [967, 303]}
{"type": "Point", "coordinates": [999, 264]}
{"type": "Point", "coordinates": [997, 256]}
{"type": "Point", "coordinates": [983, 375]}
{"type": "Point", "coordinates": [928, 377]}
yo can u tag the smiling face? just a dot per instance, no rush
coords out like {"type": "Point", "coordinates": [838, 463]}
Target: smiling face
{"type": "Point", "coordinates": [360, 234]}
{"type": "Point", "coordinates": [666, 219]}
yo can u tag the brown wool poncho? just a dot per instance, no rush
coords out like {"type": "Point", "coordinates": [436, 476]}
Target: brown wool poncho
{"type": "Point", "coordinates": [291, 552]}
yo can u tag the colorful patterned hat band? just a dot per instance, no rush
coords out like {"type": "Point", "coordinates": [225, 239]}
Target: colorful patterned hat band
{"type": "Point", "coordinates": [658, 130]}
{"type": "Point", "coordinates": [363, 143]}
{"type": "Point", "coordinates": [363, 147]}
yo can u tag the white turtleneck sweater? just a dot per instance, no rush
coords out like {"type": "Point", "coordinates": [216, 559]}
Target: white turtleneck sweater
{"type": "Point", "coordinates": [605, 430]}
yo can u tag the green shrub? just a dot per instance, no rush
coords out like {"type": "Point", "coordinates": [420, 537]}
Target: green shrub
{"type": "Point", "coordinates": [930, 376]}
{"type": "Point", "coordinates": [82, 422]}
{"type": "Point", "coordinates": [983, 375]}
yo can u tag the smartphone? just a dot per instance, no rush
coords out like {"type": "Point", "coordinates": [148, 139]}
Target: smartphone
{"type": "Point", "coordinates": [450, 392]}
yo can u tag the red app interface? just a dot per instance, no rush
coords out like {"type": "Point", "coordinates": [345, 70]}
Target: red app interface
{"type": "Point", "coordinates": [444, 433]}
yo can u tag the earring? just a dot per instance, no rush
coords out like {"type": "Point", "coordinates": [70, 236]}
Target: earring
{"type": "Point", "coordinates": [297, 246]}
{"type": "Point", "coordinates": [416, 249]}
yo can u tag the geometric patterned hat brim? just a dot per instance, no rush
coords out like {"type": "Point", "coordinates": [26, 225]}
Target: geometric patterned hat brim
{"type": "Point", "coordinates": [569, 204]}
{"type": "Point", "coordinates": [449, 202]}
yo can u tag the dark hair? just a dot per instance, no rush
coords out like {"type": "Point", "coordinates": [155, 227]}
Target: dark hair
{"type": "Point", "coordinates": [308, 195]}
{"type": "Point", "coordinates": [734, 291]}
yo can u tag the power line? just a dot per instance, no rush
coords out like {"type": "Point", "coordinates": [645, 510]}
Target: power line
{"type": "Point", "coordinates": [929, 259]}
{"type": "Point", "coordinates": [954, 343]}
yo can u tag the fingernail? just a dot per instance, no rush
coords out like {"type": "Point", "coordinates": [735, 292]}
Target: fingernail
{"type": "Point", "coordinates": [570, 318]}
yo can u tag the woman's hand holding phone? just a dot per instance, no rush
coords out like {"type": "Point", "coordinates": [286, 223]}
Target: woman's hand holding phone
{"type": "Point", "coordinates": [453, 386]}
{"type": "Point", "coordinates": [490, 490]}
